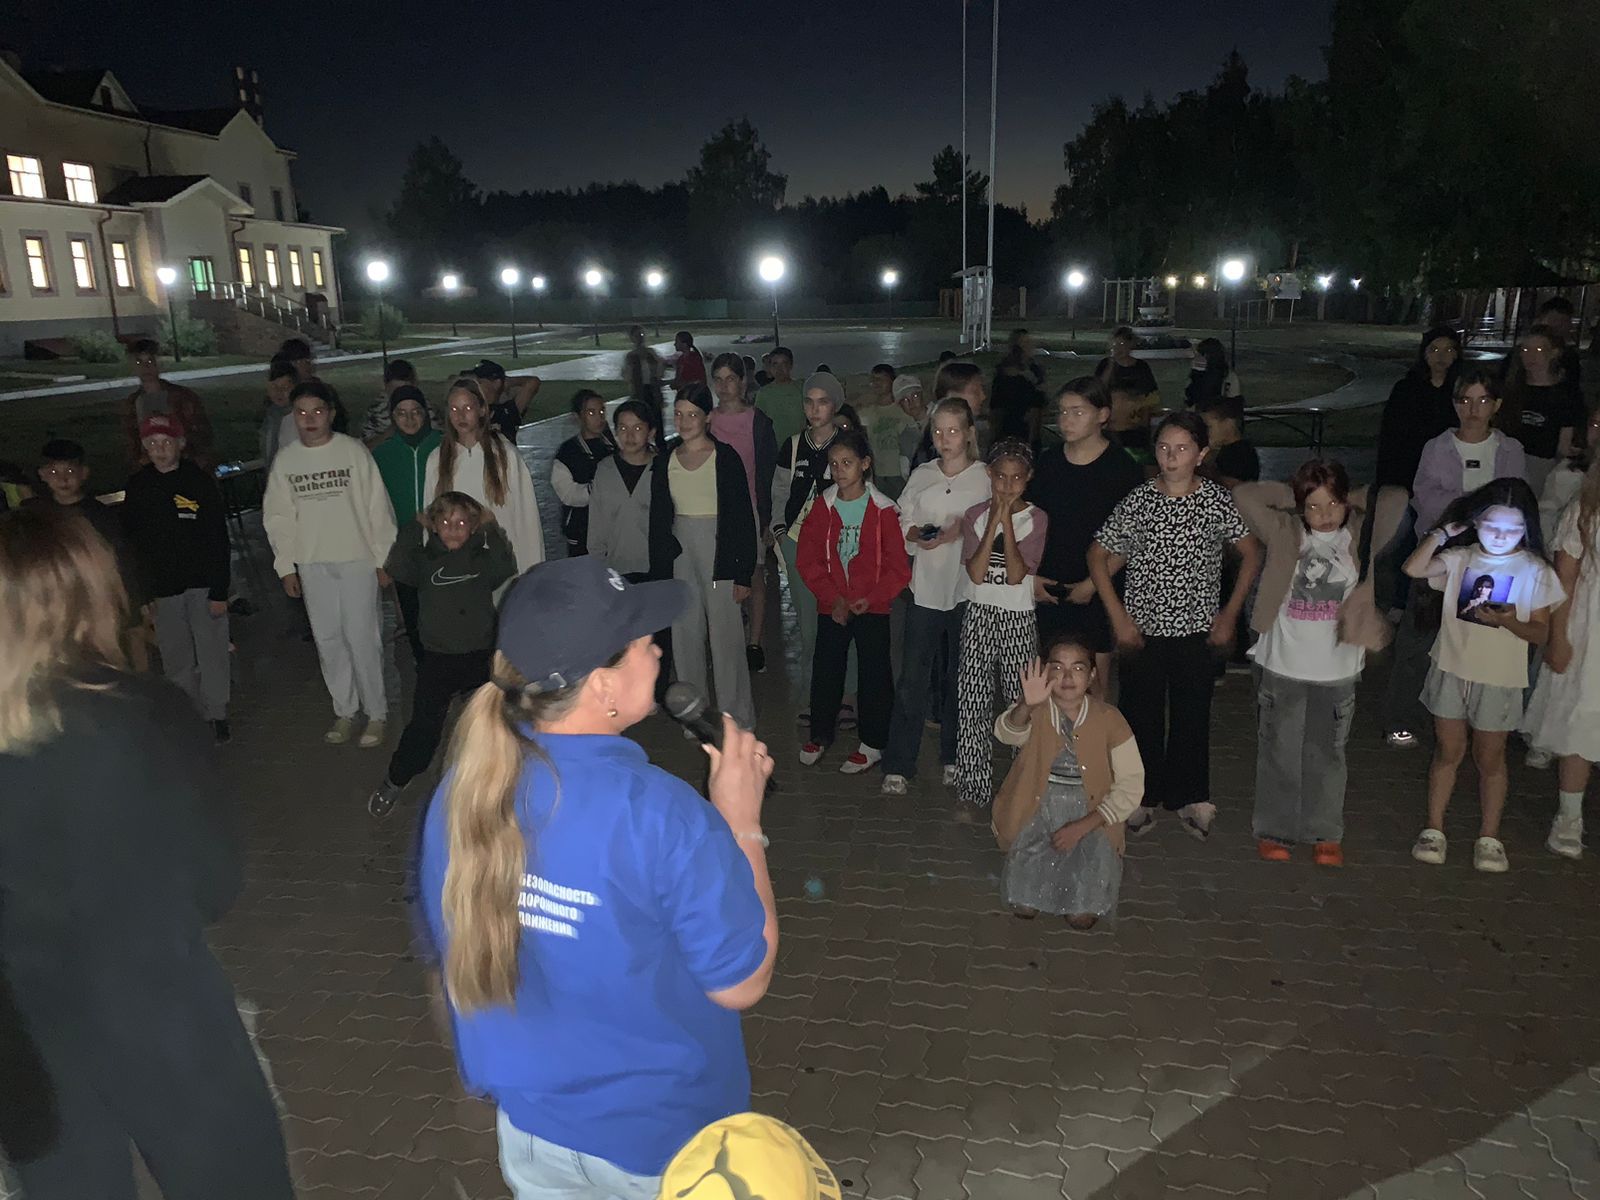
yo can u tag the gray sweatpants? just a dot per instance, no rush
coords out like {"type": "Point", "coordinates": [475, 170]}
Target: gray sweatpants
{"type": "Point", "coordinates": [712, 618]}
{"type": "Point", "coordinates": [342, 602]}
{"type": "Point", "coordinates": [1300, 762]}
{"type": "Point", "coordinates": [194, 650]}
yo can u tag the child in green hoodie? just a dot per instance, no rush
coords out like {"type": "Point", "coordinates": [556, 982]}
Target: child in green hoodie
{"type": "Point", "coordinates": [402, 458]}
{"type": "Point", "coordinates": [455, 557]}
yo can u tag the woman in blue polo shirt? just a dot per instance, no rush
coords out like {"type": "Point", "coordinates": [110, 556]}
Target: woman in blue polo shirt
{"type": "Point", "coordinates": [600, 925]}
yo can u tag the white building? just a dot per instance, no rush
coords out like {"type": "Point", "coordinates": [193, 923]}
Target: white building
{"type": "Point", "coordinates": [98, 194]}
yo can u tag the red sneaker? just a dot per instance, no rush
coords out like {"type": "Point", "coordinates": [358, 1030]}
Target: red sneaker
{"type": "Point", "coordinates": [1272, 851]}
{"type": "Point", "coordinates": [810, 753]}
{"type": "Point", "coordinates": [1328, 854]}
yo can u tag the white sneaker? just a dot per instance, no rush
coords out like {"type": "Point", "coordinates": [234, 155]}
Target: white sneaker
{"type": "Point", "coordinates": [340, 731]}
{"type": "Point", "coordinates": [810, 753]}
{"type": "Point", "coordinates": [893, 785]}
{"type": "Point", "coordinates": [1489, 855]}
{"type": "Point", "coordinates": [1538, 759]}
{"type": "Point", "coordinates": [1566, 837]}
{"type": "Point", "coordinates": [952, 775]}
{"type": "Point", "coordinates": [1400, 738]}
{"type": "Point", "coordinates": [1142, 821]}
{"type": "Point", "coordinates": [864, 759]}
{"type": "Point", "coordinates": [372, 735]}
{"type": "Point", "coordinates": [1197, 818]}
{"type": "Point", "coordinates": [1429, 847]}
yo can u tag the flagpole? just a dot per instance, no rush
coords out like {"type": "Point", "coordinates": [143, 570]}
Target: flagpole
{"type": "Point", "coordinates": [963, 167]}
{"type": "Point", "coordinates": [994, 100]}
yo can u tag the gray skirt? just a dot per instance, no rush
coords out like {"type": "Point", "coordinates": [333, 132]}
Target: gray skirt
{"type": "Point", "coordinates": [1036, 876]}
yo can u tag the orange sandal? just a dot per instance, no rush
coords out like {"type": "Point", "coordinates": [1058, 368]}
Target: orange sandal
{"type": "Point", "coordinates": [1328, 854]}
{"type": "Point", "coordinates": [1272, 851]}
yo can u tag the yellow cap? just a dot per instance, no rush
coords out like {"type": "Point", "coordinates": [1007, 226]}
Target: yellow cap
{"type": "Point", "coordinates": [748, 1157]}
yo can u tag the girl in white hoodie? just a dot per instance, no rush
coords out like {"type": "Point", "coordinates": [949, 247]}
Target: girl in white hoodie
{"type": "Point", "coordinates": [475, 459]}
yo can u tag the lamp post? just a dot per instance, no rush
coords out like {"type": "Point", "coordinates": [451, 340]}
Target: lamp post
{"type": "Point", "coordinates": [592, 279]}
{"type": "Point", "coordinates": [771, 269]}
{"type": "Point", "coordinates": [1324, 282]}
{"type": "Point", "coordinates": [378, 275]}
{"type": "Point", "coordinates": [167, 276]}
{"type": "Point", "coordinates": [537, 283]}
{"type": "Point", "coordinates": [1075, 281]}
{"type": "Point", "coordinates": [889, 278]}
{"type": "Point", "coordinates": [509, 277]}
{"type": "Point", "coordinates": [655, 280]}
{"type": "Point", "coordinates": [451, 283]}
{"type": "Point", "coordinates": [1233, 271]}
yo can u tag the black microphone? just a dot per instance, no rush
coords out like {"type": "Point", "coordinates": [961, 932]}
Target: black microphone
{"type": "Point", "coordinates": [685, 705]}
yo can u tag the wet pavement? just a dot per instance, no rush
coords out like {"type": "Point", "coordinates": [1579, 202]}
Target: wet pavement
{"type": "Point", "coordinates": [1240, 1029]}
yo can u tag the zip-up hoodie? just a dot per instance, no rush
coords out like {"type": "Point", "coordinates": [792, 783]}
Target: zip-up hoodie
{"type": "Point", "coordinates": [404, 468]}
{"type": "Point", "coordinates": [880, 570]}
{"type": "Point", "coordinates": [455, 588]}
{"type": "Point", "coordinates": [178, 527]}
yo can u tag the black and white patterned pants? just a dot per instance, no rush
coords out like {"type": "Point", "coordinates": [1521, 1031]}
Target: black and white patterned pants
{"type": "Point", "coordinates": [996, 644]}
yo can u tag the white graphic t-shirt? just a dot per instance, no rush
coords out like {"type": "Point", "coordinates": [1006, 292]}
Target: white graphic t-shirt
{"type": "Point", "coordinates": [1466, 647]}
{"type": "Point", "coordinates": [1303, 642]}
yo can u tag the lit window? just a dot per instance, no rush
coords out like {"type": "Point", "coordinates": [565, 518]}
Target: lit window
{"type": "Point", "coordinates": [38, 263]}
{"type": "Point", "coordinates": [82, 265]}
{"type": "Point", "coordinates": [80, 182]}
{"type": "Point", "coordinates": [27, 176]}
{"type": "Point", "coordinates": [316, 268]}
{"type": "Point", "coordinates": [122, 266]}
{"type": "Point", "coordinates": [295, 278]}
{"type": "Point", "coordinates": [269, 256]}
{"type": "Point", "coordinates": [247, 269]}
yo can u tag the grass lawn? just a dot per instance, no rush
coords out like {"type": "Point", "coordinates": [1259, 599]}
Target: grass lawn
{"type": "Point", "coordinates": [26, 372]}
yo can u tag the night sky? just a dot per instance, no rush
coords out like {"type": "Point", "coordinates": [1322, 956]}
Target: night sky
{"type": "Point", "coordinates": [534, 94]}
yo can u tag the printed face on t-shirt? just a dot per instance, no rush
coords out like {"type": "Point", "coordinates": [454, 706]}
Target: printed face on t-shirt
{"type": "Point", "coordinates": [1320, 582]}
{"type": "Point", "coordinates": [1479, 589]}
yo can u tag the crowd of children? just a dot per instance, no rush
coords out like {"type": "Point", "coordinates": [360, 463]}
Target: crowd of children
{"type": "Point", "coordinates": [999, 589]}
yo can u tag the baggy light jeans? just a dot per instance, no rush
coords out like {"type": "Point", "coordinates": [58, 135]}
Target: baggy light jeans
{"type": "Point", "coordinates": [194, 650]}
{"type": "Point", "coordinates": [805, 609]}
{"type": "Point", "coordinates": [342, 602]}
{"type": "Point", "coordinates": [535, 1169]}
{"type": "Point", "coordinates": [1300, 760]}
{"type": "Point", "coordinates": [713, 621]}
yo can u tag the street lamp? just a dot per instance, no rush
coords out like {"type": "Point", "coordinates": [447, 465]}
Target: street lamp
{"type": "Point", "coordinates": [655, 280]}
{"type": "Point", "coordinates": [1199, 281]}
{"type": "Point", "coordinates": [1356, 283]}
{"type": "Point", "coordinates": [1233, 271]}
{"type": "Point", "coordinates": [771, 269]}
{"type": "Point", "coordinates": [167, 276]}
{"type": "Point", "coordinates": [1172, 282]}
{"type": "Point", "coordinates": [889, 278]}
{"type": "Point", "coordinates": [1075, 281]}
{"type": "Point", "coordinates": [509, 277]}
{"type": "Point", "coordinates": [592, 279]}
{"type": "Point", "coordinates": [451, 283]}
{"type": "Point", "coordinates": [537, 284]}
{"type": "Point", "coordinates": [378, 275]}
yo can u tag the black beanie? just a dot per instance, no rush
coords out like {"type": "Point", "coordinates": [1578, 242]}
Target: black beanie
{"type": "Point", "coordinates": [407, 391]}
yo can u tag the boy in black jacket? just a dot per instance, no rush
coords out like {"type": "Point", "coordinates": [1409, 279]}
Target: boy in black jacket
{"type": "Point", "coordinates": [174, 518]}
{"type": "Point", "coordinates": [456, 557]}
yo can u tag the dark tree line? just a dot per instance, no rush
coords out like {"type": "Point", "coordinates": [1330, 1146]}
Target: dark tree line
{"type": "Point", "coordinates": [1452, 145]}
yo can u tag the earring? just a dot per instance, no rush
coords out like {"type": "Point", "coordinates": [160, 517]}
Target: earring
{"type": "Point", "coordinates": [611, 712]}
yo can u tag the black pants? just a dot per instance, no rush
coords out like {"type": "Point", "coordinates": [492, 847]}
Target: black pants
{"type": "Point", "coordinates": [874, 677]}
{"type": "Point", "coordinates": [1166, 696]}
{"type": "Point", "coordinates": [406, 597]}
{"type": "Point", "coordinates": [440, 678]}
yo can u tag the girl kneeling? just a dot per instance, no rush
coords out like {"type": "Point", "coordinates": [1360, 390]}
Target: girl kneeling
{"type": "Point", "coordinates": [1060, 812]}
{"type": "Point", "coordinates": [1498, 592]}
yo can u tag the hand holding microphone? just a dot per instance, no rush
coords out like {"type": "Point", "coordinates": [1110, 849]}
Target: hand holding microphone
{"type": "Point", "coordinates": [740, 765]}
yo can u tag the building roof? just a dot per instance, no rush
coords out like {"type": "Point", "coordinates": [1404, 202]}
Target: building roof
{"type": "Point", "coordinates": [77, 88]}
{"type": "Point", "coordinates": [197, 120]}
{"type": "Point", "coordinates": [151, 189]}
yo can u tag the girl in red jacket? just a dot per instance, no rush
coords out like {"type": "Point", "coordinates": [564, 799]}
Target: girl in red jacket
{"type": "Point", "coordinates": [852, 555]}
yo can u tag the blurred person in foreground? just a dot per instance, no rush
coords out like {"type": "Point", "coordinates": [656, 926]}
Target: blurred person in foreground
{"type": "Point", "coordinates": [116, 851]}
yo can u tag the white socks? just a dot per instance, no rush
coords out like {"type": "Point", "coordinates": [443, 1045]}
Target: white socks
{"type": "Point", "coordinates": [1571, 805]}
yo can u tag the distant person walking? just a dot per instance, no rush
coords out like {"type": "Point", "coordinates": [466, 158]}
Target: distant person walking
{"type": "Point", "coordinates": [156, 395]}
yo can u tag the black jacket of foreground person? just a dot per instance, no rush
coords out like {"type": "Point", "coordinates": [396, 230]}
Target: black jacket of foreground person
{"type": "Point", "coordinates": [116, 1022]}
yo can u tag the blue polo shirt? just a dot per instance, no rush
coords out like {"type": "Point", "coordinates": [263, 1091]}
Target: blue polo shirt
{"type": "Point", "coordinates": [636, 901]}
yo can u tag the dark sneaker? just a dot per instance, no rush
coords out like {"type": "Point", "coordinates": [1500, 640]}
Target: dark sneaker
{"type": "Point", "coordinates": [756, 658]}
{"type": "Point", "coordinates": [220, 732]}
{"type": "Point", "coordinates": [381, 802]}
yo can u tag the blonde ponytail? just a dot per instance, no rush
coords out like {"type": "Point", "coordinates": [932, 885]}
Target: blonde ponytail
{"type": "Point", "coordinates": [487, 849]}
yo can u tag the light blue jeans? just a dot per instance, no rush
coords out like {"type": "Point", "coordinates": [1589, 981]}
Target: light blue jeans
{"type": "Point", "coordinates": [535, 1169]}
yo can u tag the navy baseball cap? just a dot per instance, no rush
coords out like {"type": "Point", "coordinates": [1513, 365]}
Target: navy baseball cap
{"type": "Point", "coordinates": [488, 369]}
{"type": "Point", "coordinates": [563, 619]}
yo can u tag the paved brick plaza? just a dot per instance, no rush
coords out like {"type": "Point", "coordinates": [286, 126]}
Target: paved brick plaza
{"type": "Point", "coordinates": [1241, 1029]}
